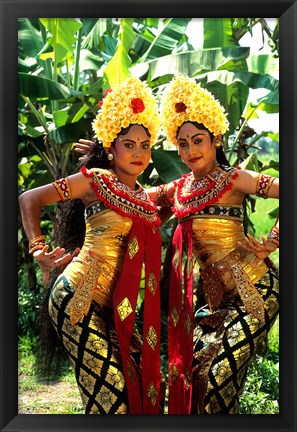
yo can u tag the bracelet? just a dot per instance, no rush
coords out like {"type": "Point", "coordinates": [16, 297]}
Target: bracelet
{"type": "Point", "coordinates": [162, 199]}
{"type": "Point", "coordinates": [36, 243]}
{"type": "Point", "coordinates": [35, 248]}
{"type": "Point", "coordinates": [273, 236]}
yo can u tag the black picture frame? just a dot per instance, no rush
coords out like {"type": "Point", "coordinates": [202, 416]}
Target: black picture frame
{"type": "Point", "coordinates": [10, 11]}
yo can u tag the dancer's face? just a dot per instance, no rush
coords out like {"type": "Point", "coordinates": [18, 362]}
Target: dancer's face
{"type": "Point", "coordinates": [196, 148]}
{"type": "Point", "coordinates": [131, 152]}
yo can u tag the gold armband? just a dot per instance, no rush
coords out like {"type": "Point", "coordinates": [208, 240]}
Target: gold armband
{"type": "Point", "coordinates": [162, 199]}
{"type": "Point", "coordinates": [63, 189]}
{"type": "Point", "coordinates": [263, 185]}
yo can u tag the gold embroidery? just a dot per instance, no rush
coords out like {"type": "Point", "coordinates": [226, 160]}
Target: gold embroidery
{"type": "Point", "coordinates": [124, 308]}
{"type": "Point", "coordinates": [80, 303]}
{"type": "Point", "coordinates": [174, 316]}
{"type": "Point", "coordinates": [187, 379]}
{"type": "Point", "coordinates": [251, 298]}
{"type": "Point", "coordinates": [133, 247]}
{"type": "Point", "coordinates": [173, 373]}
{"type": "Point", "coordinates": [152, 393]}
{"type": "Point", "coordinates": [152, 283]}
{"type": "Point", "coordinates": [152, 337]}
{"type": "Point", "coordinates": [106, 398]}
{"type": "Point", "coordinates": [188, 324]}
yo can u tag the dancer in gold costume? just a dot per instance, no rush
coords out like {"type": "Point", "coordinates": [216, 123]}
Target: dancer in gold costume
{"type": "Point", "coordinates": [240, 284]}
{"type": "Point", "coordinates": [92, 304]}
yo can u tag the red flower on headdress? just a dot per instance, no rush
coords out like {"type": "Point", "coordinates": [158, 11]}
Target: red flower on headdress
{"type": "Point", "coordinates": [100, 103]}
{"type": "Point", "coordinates": [180, 107]}
{"type": "Point", "coordinates": [137, 105]}
{"type": "Point", "coordinates": [109, 90]}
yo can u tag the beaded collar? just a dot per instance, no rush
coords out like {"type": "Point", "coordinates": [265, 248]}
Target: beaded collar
{"type": "Point", "coordinates": [192, 195]}
{"type": "Point", "coordinates": [117, 196]}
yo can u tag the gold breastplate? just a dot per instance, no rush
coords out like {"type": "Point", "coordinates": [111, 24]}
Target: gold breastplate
{"type": "Point", "coordinates": [106, 243]}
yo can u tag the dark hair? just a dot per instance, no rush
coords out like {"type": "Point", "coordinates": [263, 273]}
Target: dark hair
{"type": "Point", "coordinates": [220, 155]}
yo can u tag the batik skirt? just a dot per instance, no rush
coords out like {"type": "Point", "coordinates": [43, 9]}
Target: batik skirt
{"type": "Point", "coordinates": [93, 349]}
{"type": "Point", "coordinates": [224, 344]}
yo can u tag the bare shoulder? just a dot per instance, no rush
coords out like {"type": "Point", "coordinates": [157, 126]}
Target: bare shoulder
{"type": "Point", "coordinates": [246, 181]}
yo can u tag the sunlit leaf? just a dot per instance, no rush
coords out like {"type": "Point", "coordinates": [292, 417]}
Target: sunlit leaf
{"type": "Point", "coordinates": [95, 30]}
{"type": "Point", "coordinates": [89, 61]}
{"type": "Point", "coordinates": [63, 32]}
{"type": "Point", "coordinates": [263, 64]}
{"type": "Point", "coordinates": [218, 32]}
{"type": "Point", "coordinates": [250, 163]}
{"type": "Point", "coordinates": [193, 63]}
{"type": "Point", "coordinates": [168, 36]}
{"type": "Point", "coordinates": [274, 212]}
{"type": "Point", "coordinates": [117, 70]}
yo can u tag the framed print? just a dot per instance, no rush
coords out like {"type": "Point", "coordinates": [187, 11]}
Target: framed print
{"type": "Point", "coordinates": [13, 10]}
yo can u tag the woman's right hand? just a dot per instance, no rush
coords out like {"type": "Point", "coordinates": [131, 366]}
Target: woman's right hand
{"type": "Point", "coordinates": [49, 260]}
{"type": "Point", "coordinates": [83, 146]}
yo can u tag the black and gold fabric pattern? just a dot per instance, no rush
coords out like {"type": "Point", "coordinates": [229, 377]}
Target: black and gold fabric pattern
{"type": "Point", "coordinates": [93, 349]}
{"type": "Point", "coordinates": [224, 343]}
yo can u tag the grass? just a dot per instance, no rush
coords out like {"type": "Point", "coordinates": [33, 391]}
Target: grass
{"type": "Point", "coordinates": [37, 396]}
{"type": "Point", "coordinates": [261, 390]}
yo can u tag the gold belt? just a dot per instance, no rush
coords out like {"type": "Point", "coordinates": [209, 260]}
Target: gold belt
{"type": "Point", "coordinates": [214, 285]}
{"type": "Point", "coordinates": [80, 303]}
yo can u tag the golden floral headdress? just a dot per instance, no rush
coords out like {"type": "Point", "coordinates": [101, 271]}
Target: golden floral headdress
{"type": "Point", "coordinates": [184, 100]}
{"type": "Point", "coordinates": [130, 102]}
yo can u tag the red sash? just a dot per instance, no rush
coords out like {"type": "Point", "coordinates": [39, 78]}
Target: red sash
{"type": "Point", "coordinates": [144, 245]}
{"type": "Point", "coordinates": [180, 323]}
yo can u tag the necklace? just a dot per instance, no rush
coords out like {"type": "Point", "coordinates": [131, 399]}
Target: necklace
{"type": "Point", "coordinates": [192, 195]}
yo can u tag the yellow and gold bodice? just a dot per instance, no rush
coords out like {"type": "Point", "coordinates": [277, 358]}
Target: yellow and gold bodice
{"type": "Point", "coordinates": [215, 240]}
{"type": "Point", "coordinates": [106, 235]}
{"type": "Point", "coordinates": [94, 272]}
{"type": "Point", "coordinates": [226, 268]}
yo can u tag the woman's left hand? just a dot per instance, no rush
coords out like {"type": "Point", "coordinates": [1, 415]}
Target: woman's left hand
{"type": "Point", "coordinates": [260, 249]}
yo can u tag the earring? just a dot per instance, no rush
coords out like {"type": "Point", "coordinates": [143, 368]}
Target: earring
{"type": "Point", "coordinates": [110, 156]}
{"type": "Point", "coordinates": [218, 144]}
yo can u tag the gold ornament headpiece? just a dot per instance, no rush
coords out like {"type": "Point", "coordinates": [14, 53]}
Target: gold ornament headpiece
{"type": "Point", "coordinates": [130, 102]}
{"type": "Point", "coordinates": [184, 100]}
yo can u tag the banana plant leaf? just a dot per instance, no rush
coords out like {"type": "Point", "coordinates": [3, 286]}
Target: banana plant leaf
{"type": "Point", "coordinates": [37, 87]}
{"type": "Point", "coordinates": [117, 70]}
{"type": "Point", "coordinates": [70, 132]}
{"type": "Point", "coordinates": [93, 29]}
{"type": "Point", "coordinates": [167, 38]}
{"type": "Point", "coordinates": [249, 79]}
{"type": "Point", "coordinates": [218, 32]}
{"type": "Point", "coordinates": [168, 164]}
{"type": "Point", "coordinates": [29, 36]}
{"type": "Point", "coordinates": [63, 31]}
{"type": "Point", "coordinates": [193, 63]}
{"type": "Point", "coordinates": [263, 64]}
